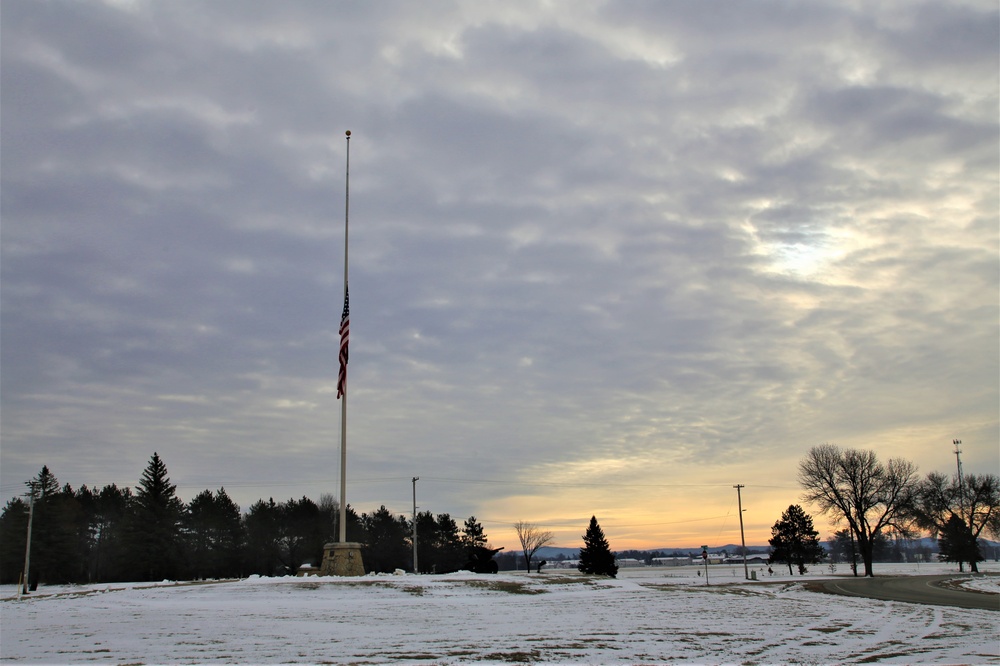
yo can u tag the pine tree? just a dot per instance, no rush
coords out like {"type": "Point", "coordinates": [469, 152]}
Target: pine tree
{"type": "Point", "coordinates": [473, 534]}
{"type": "Point", "coordinates": [427, 539]}
{"type": "Point", "coordinates": [263, 538]}
{"type": "Point", "coordinates": [843, 549]}
{"type": "Point", "coordinates": [301, 529]}
{"type": "Point", "coordinates": [956, 542]}
{"type": "Point", "coordinates": [57, 521]}
{"type": "Point", "coordinates": [214, 535]}
{"type": "Point", "coordinates": [228, 536]}
{"type": "Point", "coordinates": [450, 552]}
{"type": "Point", "coordinates": [110, 524]}
{"type": "Point", "coordinates": [385, 541]}
{"type": "Point", "coordinates": [794, 541]}
{"type": "Point", "coordinates": [154, 533]}
{"type": "Point", "coordinates": [13, 535]}
{"type": "Point", "coordinates": [596, 556]}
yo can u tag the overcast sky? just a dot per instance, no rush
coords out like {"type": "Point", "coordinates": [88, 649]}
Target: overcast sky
{"type": "Point", "coordinates": [606, 258]}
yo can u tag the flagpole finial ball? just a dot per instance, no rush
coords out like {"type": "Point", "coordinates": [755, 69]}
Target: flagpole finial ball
{"type": "Point", "coordinates": [348, 132]}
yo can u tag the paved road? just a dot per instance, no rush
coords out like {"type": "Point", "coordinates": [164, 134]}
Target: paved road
{"type": "Point", "coordinates": [914, 589]}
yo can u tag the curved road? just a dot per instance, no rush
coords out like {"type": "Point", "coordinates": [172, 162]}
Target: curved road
{"type": "Point", "coordinates": [913, 589]}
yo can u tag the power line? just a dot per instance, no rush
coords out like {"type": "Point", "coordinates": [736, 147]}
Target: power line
{"type": "Point", "coordinates": [622, 484]}
{"type": "Point", "coordinates": [495, 521]}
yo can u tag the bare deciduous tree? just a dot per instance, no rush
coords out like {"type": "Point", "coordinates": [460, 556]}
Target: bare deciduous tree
{"type": "Point", "coordinates": [852, 485]}
{"type": "Point", "coordinates": [532, 538]}
{"type": "Point", "coordinates": [975, 501]}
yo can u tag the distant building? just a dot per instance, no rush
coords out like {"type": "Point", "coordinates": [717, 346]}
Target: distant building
{"type": "Point", "coordinates": [752, 558]}
{"type": "Point", "coordinates": [671, 561]}
{"type": "Point", "coordinates": [564, 564]}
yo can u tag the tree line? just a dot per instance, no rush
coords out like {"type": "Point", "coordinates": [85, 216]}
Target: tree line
{"type": "Point", "coordinates": [113, 534]}
{"type": "Point", "coordinates": [875, 500]}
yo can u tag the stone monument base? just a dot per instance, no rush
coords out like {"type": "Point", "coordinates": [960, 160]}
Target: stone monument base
{"type": "Point", "coordinates": [342, 559]}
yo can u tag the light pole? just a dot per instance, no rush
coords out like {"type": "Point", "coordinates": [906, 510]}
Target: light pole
{"type": "Point", "coordinates": [961, 481]}
{"type": "Point", "coordinates": [743, 541]}
{"type": "Point", "coordinates": [27, 547]}
{"type": "Point", "coordinates": [415, 479]}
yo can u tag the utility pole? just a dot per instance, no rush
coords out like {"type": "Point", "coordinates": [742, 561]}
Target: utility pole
{"type": "Point", "coordinates": [743, 541]}
{"type": "Point", "coordinates": [961, 481]}
{"type": "Point", "coordinates": [27, 548]}
{"type": "Point", "coordinates": [415, 479]}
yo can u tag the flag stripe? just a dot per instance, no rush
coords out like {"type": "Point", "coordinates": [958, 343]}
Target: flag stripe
{"type": "Point", "coordinates": [345, 334]}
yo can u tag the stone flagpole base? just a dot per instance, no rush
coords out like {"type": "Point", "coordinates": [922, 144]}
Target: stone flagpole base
{"type": "Point", "coordinates": [342, 559]}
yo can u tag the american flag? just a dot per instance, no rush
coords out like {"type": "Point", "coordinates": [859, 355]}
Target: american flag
{"type": "Point", "coordinates": [345, 334]}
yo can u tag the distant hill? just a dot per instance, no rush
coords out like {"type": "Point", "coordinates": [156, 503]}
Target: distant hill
{"type": "Point", "coordinates": [991, 549]}
{"type": "Point", "coordinates": [553, 552]}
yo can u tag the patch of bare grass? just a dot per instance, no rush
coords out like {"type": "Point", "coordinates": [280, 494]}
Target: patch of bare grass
{"type": "Point", "coordinates": [737, 589]}
{"type": "Point", "coordinates": [567, 580]}
{"type": "Point", "coordinates": [508, 586]}
{"type": "Point", "coordinates": [519, 657]}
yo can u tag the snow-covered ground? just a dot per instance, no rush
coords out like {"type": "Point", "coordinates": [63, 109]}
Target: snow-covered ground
{"type": "Point", "coordinates": [645, 616]}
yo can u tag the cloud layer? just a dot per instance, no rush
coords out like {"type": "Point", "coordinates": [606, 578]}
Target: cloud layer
{"type": "Point", "coordinates": [605, 258]}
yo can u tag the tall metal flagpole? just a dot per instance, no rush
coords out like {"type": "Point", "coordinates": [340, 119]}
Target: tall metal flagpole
{"type": "Point", "coordinates": [341, 558]}
{"type": "Point", "coordinates": [343, 403]}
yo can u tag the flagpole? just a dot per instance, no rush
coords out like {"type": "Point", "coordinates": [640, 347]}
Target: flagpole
{"type": "Point", "coordinates": [343, 558]}
{"type": "Point", "coordinates": [343, 404]}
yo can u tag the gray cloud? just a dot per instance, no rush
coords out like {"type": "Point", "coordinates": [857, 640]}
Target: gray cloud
{"type": "Point", "coordinates": [646, 244]}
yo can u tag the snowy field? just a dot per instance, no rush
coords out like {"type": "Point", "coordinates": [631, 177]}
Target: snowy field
{"type": "Point", "coordinates": [647, 615]}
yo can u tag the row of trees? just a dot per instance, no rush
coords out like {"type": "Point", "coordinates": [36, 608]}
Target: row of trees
{"type": "Point", "coordinates": [873, 498]}
{"type": "Point", "coordinates": [110, 535]}
{"type": "Point", "coordinates": [877, 499]}
{"type": "Point", "coordinates": [114, 534]}
{"type": "Point", "coordinates": [596, 557]}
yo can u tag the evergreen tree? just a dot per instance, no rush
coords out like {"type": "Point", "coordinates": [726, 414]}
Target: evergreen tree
{"type": "Point", "coordinates": [228, 536]}
{"type": "Point", "coordinates": [45, 484]}
{"type": "Point", "coordinates": [843, 549]}
{"type": "Point", "coordinates": [386, 541]}
{"type": "Point", "coordinates": [596, 556]}
{"type": "Point", "coordinates": [55, 557]}
{"type": "Point", "coordinates": [109, 517]}
{"type": "Point", "coordinates": [956, 542]}
{"type": "Point", "coordinates": [214, 536]}
{"type": "Point", "coordinates": [81, 504]}
{"type": "Point", "coordinates": [427, 540]}
{"type": "Point", "coordinates": [794, 540]}
{"type": "Point", "coordinates": [300, 526]}
{"type": "Point", "coordinates": [13, 535]}
{"type": "Point", "coordinates": [197, 525]}
{"type": "Point", "coordinates": [974, 499]}
{"type": "Point", "coordinates": [449, 551]}
{"type": "Point", "coordinates": [473, 535]}
{"type": "Point", "coordinates": [154, 526]}
{"type": "Point", "coordinates": [263, 538]}
{"type": "Point", "coordinates": [440, 547]}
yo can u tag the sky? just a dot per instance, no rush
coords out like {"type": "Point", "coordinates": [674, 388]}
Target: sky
{"type": "Point", "coordinates": [606, 258]}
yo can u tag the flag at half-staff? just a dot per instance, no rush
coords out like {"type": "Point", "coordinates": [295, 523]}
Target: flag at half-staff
{"type": "Point", "coordinates": [343, 557]}
{"type": "Point", "coordinates": [345, 335]}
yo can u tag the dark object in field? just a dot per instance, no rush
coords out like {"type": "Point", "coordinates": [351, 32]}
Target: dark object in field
{"type": "Point", "coordinates": [481, 560]}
